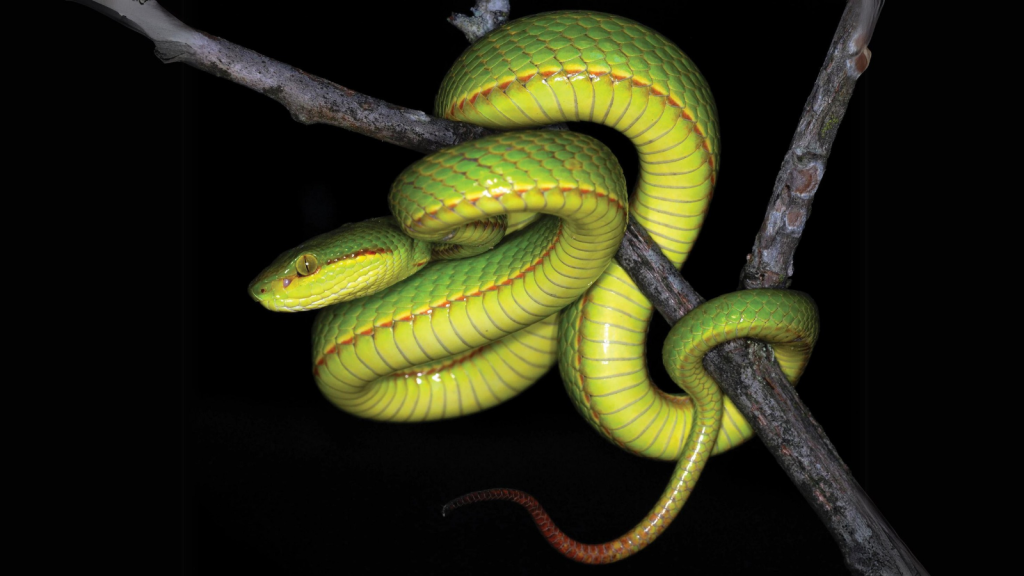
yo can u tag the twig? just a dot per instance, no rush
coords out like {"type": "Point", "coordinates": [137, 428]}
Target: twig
{"type": "Point", "coordinates": [744, 371]}
{"type": "Point", "coordinates": [487, 15]}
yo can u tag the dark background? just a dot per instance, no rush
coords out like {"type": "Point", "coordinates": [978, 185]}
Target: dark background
{"type": "Point", "coordinates": [210, 181]}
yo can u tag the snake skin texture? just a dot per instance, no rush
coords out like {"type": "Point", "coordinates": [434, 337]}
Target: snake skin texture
{"type": "Point", "coordinates": [417, 332]}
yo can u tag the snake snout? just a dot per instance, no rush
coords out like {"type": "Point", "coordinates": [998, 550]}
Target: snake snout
{"type": "Point", "coordinates": [260, 291]}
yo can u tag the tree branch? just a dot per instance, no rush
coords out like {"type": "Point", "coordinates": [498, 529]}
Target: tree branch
{"type": "Point", "coordinates": [310, 99]}
{"type": "Point", "coordinates": [771, 261]}
{"type": "Point", "coordinates": [744, 370]}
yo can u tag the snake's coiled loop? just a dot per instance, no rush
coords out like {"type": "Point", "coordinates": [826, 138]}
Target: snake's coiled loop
{"type": "Point", "coordinates": [463, 335]}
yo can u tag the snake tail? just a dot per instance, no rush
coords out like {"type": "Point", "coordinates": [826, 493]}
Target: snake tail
{"type": "Point", "coordinates": [785, 319]}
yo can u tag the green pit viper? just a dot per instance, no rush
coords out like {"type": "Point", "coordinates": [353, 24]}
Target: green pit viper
{"type": "Point", "coordinates": [414, 330]}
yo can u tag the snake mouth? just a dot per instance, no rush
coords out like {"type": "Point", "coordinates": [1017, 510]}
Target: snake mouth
{"type": "Point", "coordinates": [270, 293]}
{"type": "Point", "coordinates": [261, 292]}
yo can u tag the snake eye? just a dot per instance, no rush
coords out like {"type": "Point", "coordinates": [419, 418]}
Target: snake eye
{"type": "Point", "coordinates": [306, 264]}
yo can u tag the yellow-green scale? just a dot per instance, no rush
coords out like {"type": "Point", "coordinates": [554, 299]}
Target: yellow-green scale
{"type": "Point", "coordinates": [461, 336]}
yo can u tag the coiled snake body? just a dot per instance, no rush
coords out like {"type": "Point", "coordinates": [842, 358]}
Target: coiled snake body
{"type": "Point", "coordinates": [407, 341]}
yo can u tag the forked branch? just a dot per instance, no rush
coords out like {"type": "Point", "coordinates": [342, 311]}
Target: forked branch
{"type": "Point", "coordinates": [744, 370]}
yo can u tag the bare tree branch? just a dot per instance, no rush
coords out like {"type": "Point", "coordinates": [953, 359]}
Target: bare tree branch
{"type": "Point", "coordinates": [310, 99]}
{"type": "Point", "coordinates": [745, 371]}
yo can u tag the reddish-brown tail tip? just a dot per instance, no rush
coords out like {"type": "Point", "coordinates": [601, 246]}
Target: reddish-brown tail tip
{"type": "Point", "coordinates": [572, 549]}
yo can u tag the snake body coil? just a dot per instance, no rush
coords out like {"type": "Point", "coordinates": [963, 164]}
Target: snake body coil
{"type": "Point", "coordinates": [458, 336]}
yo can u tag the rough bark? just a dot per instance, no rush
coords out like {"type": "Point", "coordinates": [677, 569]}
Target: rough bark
{"type": "Point", "coordinates": [771, 261]}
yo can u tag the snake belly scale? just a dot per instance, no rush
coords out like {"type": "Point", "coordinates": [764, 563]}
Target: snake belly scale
{"type": "Point", "coordinates": [438, 339]}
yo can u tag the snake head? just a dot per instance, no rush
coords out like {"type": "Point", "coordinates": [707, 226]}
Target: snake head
{"type": "Point", "coordinates": [353, 261]}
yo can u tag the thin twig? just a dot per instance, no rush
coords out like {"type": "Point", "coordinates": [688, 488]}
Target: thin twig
{"type": "Point", "coordinates": [487, 15]}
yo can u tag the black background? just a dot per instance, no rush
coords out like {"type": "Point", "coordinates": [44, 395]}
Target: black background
{"type": "Point", "coordinates": [216, 180]}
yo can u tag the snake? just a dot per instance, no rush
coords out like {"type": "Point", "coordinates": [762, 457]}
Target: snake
{"type": "Point", "coordinates": [498, 261]}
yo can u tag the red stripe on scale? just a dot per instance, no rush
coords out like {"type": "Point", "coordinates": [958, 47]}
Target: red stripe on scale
{"type": "Point", "coordinates": [444, 366]}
